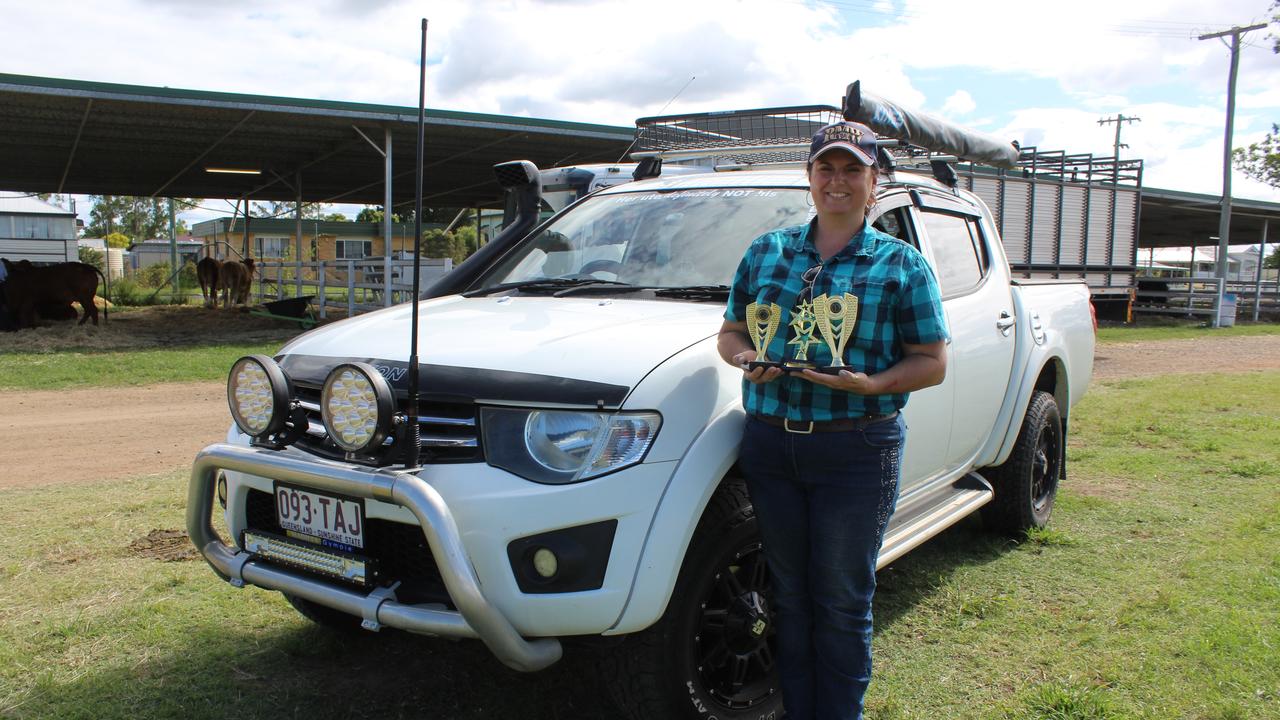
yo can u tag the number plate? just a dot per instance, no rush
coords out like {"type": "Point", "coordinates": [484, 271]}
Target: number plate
{"type": "Point", "coordinates": [323, 519]}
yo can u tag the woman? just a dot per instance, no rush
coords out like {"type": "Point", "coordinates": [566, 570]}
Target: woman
{"type": "Point", "coordinates": [821, 450]}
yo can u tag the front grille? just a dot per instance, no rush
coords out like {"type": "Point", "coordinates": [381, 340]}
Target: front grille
{"type": "Point", "coordinates": [449, 433]}
{"type": "Point", "coordinates": [399, 551]}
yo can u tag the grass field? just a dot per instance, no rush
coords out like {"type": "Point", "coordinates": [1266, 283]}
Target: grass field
{"type": "Point", "coordinates": [1154, 594]}
{"type": "Point", "coordinates": [69, 369]}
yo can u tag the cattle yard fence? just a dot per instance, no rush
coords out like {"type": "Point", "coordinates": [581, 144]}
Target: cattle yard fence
{"type": "Point", "coordinates": [357, 285]}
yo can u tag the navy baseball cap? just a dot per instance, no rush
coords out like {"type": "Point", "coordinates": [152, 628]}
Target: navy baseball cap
{"type": "Point", "coordinates": [854, 137]}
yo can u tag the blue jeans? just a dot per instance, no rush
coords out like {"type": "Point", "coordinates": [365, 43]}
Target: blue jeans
{"type": "Point", "coordinates": [822, 502]}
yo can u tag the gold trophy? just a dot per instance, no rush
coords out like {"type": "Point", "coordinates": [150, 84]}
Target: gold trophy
{"type": "Point", "coordinates": [762, 324]}
{"type": "Point", "coordinates": [836, 318]}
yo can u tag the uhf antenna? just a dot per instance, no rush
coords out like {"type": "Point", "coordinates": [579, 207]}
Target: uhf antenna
{"type": "Point", "coordinates": [415, 432]}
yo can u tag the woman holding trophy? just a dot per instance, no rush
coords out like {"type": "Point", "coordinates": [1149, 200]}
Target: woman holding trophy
{"type": "Point", "coordinates": [833, 323]}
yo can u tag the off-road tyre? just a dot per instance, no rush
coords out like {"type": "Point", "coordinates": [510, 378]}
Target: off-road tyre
{"type": "Point", "coordinates": [1027, 483]}
{"type": "Point", "coordinates": [682, 666]}
{"type": "Point", "coordinates": [324, 616]}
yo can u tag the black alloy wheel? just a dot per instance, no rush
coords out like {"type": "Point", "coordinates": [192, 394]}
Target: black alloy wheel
{"type": "Point", "coordinates": [733, 649]}
{"type": "Point", "coordinates": [1027, 483]}
{"type": "Point", "coordinates": [712, 654]}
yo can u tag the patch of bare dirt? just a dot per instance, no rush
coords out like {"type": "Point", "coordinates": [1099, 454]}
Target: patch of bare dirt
{"type": "Point", "coordinates": [159, 326]}
{"type": "Point", "coordinates": [1242, 353]}
{"type": "Point", "coordinates": [53, 436]}
{"type": "Point", "coordinates": [164, 545]}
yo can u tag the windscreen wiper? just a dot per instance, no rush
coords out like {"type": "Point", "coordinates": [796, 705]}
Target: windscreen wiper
{"type": "Point", "coordinates": [542, 285]}
{"type": "Point", "coordinates": [695, 292]}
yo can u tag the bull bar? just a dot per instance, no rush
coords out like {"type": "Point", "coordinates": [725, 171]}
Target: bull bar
{"type": "Point", "coordinates": [475, 617]}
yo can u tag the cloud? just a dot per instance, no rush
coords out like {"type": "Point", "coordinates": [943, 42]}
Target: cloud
{"type": "Point", "coordinates": [606, 62]}
{"type": "Point", "coordinates": [960, 103]}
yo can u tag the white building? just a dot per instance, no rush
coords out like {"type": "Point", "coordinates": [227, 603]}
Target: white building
{"type": "Point", "coordinates": [1242, 265]}
{"type": "Point", "coordinates": [32, 229]}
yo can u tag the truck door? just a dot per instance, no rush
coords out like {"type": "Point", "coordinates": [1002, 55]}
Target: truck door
{"type": "Point", "coordinates": [979, 307]}
{"type": "Point", "coordinates": [928, 412]}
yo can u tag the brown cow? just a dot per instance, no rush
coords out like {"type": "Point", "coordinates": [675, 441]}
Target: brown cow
{"type": "Point", "coordinates": [208, 271]}
{"type": "Point", "coordinates": [235, 279]}
{"type": "Point", "coordinates": [29, 287]}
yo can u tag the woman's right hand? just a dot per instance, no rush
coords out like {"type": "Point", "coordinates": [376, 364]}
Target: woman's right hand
{"type": "Point", "coordinates": [759, 375]}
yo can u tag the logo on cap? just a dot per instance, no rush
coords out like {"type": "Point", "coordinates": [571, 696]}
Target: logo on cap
{"type": "Point", "coordinates": [836, 133]}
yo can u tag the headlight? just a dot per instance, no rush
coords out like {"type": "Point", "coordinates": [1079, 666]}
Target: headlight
{"type": "Point", "coordinates": [258, 394]}
{"type": "Point", "coordinates": [563, 446]}
{"type": "Point", "coordinates": [357, 407]}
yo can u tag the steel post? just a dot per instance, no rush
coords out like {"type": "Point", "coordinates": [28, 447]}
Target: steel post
{"type": "Point", "coordinates": [173, 252]}
{"type": "Point", "coordinates": [1262, 255]}
{"type": "Point", "coordinates": [297, 238]}
{"type": "Point", "coordinates": [386, 216]}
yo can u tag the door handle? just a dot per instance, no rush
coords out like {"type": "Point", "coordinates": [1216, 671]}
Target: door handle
{"type": "Point", "coordinates": [1005, 323]}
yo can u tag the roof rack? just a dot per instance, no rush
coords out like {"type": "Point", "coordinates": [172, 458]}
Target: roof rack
{"type": "Point", "coordinates": [780, 136]}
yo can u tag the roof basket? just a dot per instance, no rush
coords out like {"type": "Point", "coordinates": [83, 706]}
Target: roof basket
{"type": "Point", "coordinates": [767, 135]}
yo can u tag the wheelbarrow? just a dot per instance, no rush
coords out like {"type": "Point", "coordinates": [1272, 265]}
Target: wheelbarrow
{"type": "Point", "coordinates": [297, 309]}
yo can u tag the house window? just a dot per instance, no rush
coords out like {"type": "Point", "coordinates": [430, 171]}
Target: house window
{"type": "Point", "coordinates": [354, 249]}
{"type": "Point", "coordinates": [272, 247]}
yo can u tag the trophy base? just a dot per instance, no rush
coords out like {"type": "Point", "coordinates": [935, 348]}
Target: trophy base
{"type": "Point", "coordinates": [792, 367]}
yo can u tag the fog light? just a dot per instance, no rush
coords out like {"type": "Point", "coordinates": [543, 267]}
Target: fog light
{"type": "Point", "coordinates": [545, 562]}
{"type": "Point", "coordinates": [222, 490]}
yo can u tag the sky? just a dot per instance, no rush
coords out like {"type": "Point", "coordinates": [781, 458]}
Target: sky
{"type": "Point", "coordinates": [1042, 73]}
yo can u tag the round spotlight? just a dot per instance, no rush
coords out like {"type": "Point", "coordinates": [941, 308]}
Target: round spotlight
{"type": "Point", "coordinates": [258, 394]}
{"type": "Point", "coordinates": [357, 407]}
{"type": "Point", "coordinates": [546, 563]}
{"type": "Point", "coordinates": [222, 490]}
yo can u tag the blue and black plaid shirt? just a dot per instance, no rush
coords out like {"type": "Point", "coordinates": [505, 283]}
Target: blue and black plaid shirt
{"type": "Point", "coordinates": [898, 302]}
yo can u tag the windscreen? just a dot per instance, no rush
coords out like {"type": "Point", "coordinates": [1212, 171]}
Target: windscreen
{"type": "Point", "coordinates": [665, 239]}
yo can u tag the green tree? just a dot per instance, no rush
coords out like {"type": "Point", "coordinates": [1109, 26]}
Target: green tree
{"type": "Point", "coordinates": [285, 209]}
{"type": "Point", "coordinates": [117, 240]}
{"type": "Point", "coordinates": [1272, 261]}
{"type": "Point", "coordinates": [1261, 160]}
{"type": "Point", "coordinates": [335, 217]}
{"type": "Point", "coordinates": [373, 214]}
{"type": "Point", "coordinates": [89, 256]}
{"type": "Point", "coordinates": [138, 218]}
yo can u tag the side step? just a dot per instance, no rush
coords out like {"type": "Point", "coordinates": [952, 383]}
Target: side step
{"type": "Point", "coordinates": [952, 505]}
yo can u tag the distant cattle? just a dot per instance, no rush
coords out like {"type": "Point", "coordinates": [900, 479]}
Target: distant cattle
{"type": "Point", "coordinates": [235, 277]}
{"type": "Point", "coordinates": [51, 290]}
{"type": "Point", "coordinates": [208, 271]}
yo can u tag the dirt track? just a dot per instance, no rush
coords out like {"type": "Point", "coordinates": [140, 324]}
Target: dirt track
{"type": "Point", "coordinates": [108, 433]}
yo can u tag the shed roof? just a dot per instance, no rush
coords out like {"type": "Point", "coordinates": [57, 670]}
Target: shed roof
{"type": "Point", "coordinates": [1174, 218]}
{"type": "Point", "coordinates": [26, 204]}
{"type": "Point", "coordinates": [72, 136]}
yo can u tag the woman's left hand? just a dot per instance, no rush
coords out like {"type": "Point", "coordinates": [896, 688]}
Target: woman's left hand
{"type": "Point", "coordinates": [858, 383]}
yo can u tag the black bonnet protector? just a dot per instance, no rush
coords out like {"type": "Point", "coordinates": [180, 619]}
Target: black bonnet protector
{"type": "Point", "coordinates": [446, 383]}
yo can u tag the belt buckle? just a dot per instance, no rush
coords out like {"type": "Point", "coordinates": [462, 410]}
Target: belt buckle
{"type": "Point", "coordinates": [786, 425]}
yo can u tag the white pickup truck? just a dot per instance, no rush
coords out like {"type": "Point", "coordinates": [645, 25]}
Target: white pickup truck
{"type": "Point", "coordinates": [579, 436]}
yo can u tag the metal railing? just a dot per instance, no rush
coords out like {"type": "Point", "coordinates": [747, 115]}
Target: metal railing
{"type": "Point", "coordinates": [1257, 297]}
{"type": "Point", "coordinates": [1181, 296]}
{"type": "Point", "coordinates": [355, 285]}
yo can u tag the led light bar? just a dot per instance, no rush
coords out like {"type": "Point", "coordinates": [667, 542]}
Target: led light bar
{"type": "Point", "coordinates": [306, 557]}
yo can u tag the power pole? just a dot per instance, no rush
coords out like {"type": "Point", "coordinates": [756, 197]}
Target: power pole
{"type": "Point", "coordinates": [1119, 120]}
{"type": "Point", "coordinates": [1224, 222]}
